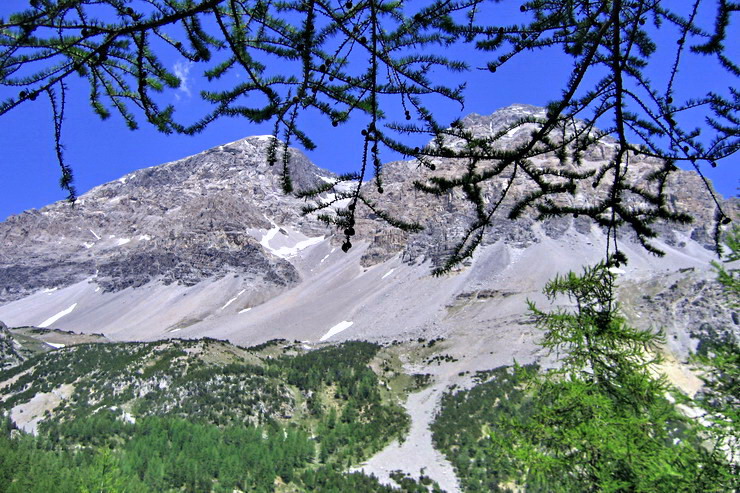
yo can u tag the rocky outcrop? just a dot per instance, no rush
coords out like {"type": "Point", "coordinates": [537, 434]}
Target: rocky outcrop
{"type": "Point", "coordinates": [446, 219]}
{"type": "Point", "coordinates": [181, 222]}
{"type": "Point", "coordinates": [691, 308]}
{"type": "Point", "coordinates": [206, 216]}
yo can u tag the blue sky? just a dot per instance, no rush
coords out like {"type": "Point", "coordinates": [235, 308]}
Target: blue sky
{"type": "Point", "coordinates": [101, 151]}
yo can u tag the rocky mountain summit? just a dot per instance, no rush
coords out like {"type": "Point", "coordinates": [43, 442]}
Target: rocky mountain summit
{"type": "Point", "coordinates": [446, 219]}
{"type": "Point", "coordinates": [184, 222]}
{"type": "Point", "coordinates": [195, 244]}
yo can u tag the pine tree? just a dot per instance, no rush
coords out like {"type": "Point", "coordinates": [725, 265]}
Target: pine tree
{"type": "Point", "coordinates": [720, 361]}
{"type": "Point", "coordinates": [376, 60]}
{"type": "Point", "coordinates": [600, 420]}
{"type": "Point", "coordinates": [103, 475]}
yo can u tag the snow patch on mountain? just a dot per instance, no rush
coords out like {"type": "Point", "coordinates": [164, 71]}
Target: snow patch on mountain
{"type": "Point", "coordinates": [56, 317]}
{"type": "Point", "coordinates": [285, 242]}
{"type": "Point", "coordinates": [268, 236]}
{"type": "Point", "coordinates": [340, 327]}
{"type": "Point", "coordinates": [301, 245]}
{"type": "Point", "coordinates": [233, 299]}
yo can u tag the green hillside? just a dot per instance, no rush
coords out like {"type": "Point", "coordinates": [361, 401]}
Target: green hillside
{"type": "Point", "coordinates": [199, 415]}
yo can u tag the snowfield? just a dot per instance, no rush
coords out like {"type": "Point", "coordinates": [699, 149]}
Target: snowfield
{"type": "Point", "coordinates": [46, 323]}
{"type": "Point", "coordinates": [341, 326]}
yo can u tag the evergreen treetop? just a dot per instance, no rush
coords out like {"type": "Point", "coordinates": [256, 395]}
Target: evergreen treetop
{"type": "Point", "coordinates": [600, 421]}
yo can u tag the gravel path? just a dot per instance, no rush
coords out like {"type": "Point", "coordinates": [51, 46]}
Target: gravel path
{"type": "Point", "coordinates": [416, 455]}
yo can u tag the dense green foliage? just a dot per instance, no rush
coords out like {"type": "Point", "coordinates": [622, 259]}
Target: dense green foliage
{"type": "Point", "coordinates": [720, 396]}
{"type": "Point", "coordinates": [165, 454]}
{"type": "Point", "coordinates": [499, 435]}
{"type": "Point", "coordinates": [360, 421]}
{"type": "Point", "coordinates": [601, 420]}
{"type": "Point", "coordinates": [720, 360]}
{"type": "Point", "coordinates": [157, 454]}
{"type": "Point", "coordinates": [200, 415]}
{"type": "Point", "coordinates": [598, 422]}
{"type": "Point", "coordinates": [31, 465]}
{"type": "Point", "coordinates": [463, 429]}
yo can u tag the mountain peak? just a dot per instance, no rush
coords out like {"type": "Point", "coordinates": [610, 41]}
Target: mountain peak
{"type": "Point", "coordinates": [521, 108]}
{"type": "Point", "coordinates": [220, 218]}
{"type": "Point", "coordinates": [196, 218]}
{"type": "Point", "coordinates": [489, 124]}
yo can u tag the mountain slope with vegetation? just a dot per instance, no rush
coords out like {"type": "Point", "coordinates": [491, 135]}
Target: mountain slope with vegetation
{"type": "Point", "coordinates": [605, 417]}
{"type": "Point", "coordinates": [197, 415]}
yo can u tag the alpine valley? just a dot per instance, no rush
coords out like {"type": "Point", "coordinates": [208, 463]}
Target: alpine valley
{"type": "Point", "coordinates": [193, 300]}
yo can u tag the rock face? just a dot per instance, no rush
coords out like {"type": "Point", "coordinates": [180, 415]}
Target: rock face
{"type": "Point", "coordinates": [690, 306]}
{"type": "Point", "coordinates": [446, 219]}
{"type": "Point", "coordinates": [186, 221]}
{"type": "Point", "coordinates": [193, 245]}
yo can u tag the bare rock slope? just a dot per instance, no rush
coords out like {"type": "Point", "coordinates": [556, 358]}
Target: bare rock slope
{"type": "Point", "coordinates": [210, 245]}
{"type": "Point", "coordinates": [182, 222]}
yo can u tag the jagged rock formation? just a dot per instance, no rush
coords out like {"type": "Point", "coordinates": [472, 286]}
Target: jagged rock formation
{"type": "Point", "coordinates": [186, 221]}
{"type": "Point", "coordinates": [689, 306]}
{"type": "Point", "coordinates": [195, 244]}
{"type": "Point", "coordinates": [445, 220]}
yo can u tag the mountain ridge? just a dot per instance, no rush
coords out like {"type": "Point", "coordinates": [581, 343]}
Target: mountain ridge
{"type": "Point", "coordinates": [193, 202]}
{"type": "Point", "coordinates": [209, 245]}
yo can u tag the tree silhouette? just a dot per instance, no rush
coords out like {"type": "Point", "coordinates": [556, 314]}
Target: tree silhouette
{"type": "Point", "coordinates": [375, 59]}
